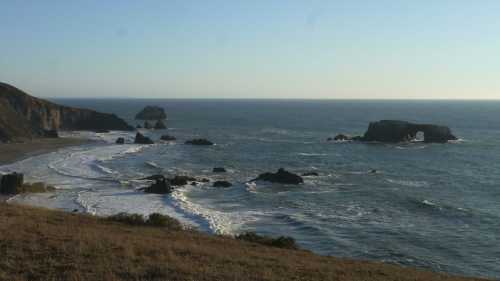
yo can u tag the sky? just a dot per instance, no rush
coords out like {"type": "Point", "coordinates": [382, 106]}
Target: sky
{"type": "Point", "coordinates": [435, 49]}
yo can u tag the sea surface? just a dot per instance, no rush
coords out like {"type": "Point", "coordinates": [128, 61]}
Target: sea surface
{"type": "Point", "coordinates": [435, 206]}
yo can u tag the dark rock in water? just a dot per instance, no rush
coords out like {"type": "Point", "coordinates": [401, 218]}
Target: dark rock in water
{"type": "Point", "coordinates": [400, 131]}
{"type": "Point", "coordinates": [101, 131]}
{"type": "Point", "coordinates": [310, 174]}
{"type": "Point", "coordinates": [181, 180]}
{"type": "Point", "coordinates": [373, 171]}
{"type": "Point", "coordinates": [167, 138]}
{"type": "Point", "coordinates": [161, 186]}
{"type": "Point", "coordinates": [281, 176]}
{"type": "Point", "coordinates": [139, 126]}
{"type": "Point", "coordinates": [199, 142]}
{"type": "Point", "coordinates": [219, 170]}
{"type": "Point", "coordinates": [205, 180]}
{"type": "Point", "coordinates": [141, 139]}
{"type": "Point", "coordinates": [51, 134]}
{"type": "Point", "coordinates": [120, 141]}
{"type": "Point", "coordinates": [329, 139]}
{"type": "Point", "coordinates": [342, 137]}
{"type": "Point", "coordinates": [147, 125]}
{"type": "Point", "coordinates": [10, 183]}
{"type": "Point", "coordinates": [222, 184]}
{"type": "Point", "coordinates": [160, 125]}
{"type": "Point", "coordinates": [151, 113]}
{"type": "Point", "coordinates": [154, 177]}
{"type": "Point", "coordinates": [194, 183]}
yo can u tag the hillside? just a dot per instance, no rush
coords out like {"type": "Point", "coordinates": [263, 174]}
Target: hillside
{"type": "Point", "coordinates": [39, 244]}
{"type": "Point", "coordinates": [25, 117]}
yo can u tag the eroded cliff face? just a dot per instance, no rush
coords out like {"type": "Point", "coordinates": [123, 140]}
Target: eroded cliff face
{"type": "Point", "coordinates": [23, 116]}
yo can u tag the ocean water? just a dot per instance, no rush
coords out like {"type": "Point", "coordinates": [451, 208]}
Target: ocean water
{"type": "Point", "coordinates": [435, 206]}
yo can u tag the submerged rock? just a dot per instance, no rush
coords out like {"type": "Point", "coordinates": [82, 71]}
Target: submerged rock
{"type": "Point", "coordinates": [219, 170]}
{"type": "Point", "coordinates": [310, 174]}
{"type": "Point", "coordinates": [160, 125]}
{"type": "Point", "coordinates": [342, 137]}
{"type": "Point", "coordinates": [181, 180]}
{"type": "Point", "coordinates": [199, 142]}
{"type": "Point", "coordinates": [282, 176]}
{"type": "Point", "coordinates": [221, 184]}
{"type": "Point", "coordinates": [141, 139]}
{"type": "Point", "coordinates": [167, 138]}
{"type": "Point", "coordinates": [120, 141]}
{"type": "Point", "coordinates": [151, 113]}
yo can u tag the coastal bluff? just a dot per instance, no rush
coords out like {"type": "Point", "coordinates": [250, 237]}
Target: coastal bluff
{"type": "Point", "coordinates": [25, 117]}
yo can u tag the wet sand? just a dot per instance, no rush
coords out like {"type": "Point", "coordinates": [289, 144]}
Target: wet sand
{"type": "Point", "coordinates": [12, 152]}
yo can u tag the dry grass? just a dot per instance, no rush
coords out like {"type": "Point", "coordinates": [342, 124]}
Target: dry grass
{"type": "Point", "coordinates": [39, 244]}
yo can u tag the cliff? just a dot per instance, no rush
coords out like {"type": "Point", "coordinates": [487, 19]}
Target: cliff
{"type": "Point", "coordinates": [24, 117]}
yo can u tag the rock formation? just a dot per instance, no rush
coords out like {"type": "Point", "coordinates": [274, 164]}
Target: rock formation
{"type": "Point", "coordinates": [160, 125]}
{"type": "Point", "coordinates": [224, 184]}
{"type": "Point", "coordinates": [199, 142]}
{"type": "Point", "coordinates": [25, 117]}
{"type": "Point", "coordinates": [141, 139]}
{"type": "Point", "coordinates": [151, 113]}
{"type": "Point", "coordinates": [161, 186]}
{"type": "Point", "coordinates": [10, 183]}
{"type": "Point", "coordinates": [401, 131]}
{"type": "Point", "coordinates": [281, 176]}
{"type": "Point", "coordinates": [219, 170]}
{"type": "Point", "coordinates": [167, 138]}
{"type": "Point", "coordinates": [120, 141]}
{"type": "Point", "coordinates": [147, 125]}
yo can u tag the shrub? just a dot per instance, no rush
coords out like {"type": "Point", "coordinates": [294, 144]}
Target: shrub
{"type": "Point", "coordinates": [132, 219]}
{"type": "Point", "coordinates": [37, 187]}
{"type": "Point", "coordinates": [156, 219]}
{"type": "Point", "coordinates": [284, 242]}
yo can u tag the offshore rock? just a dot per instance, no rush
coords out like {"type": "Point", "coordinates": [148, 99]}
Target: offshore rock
{"type": "Point", "coordinates": [282, 176]}
{"type": "Point", "coordinates": [394, 131]}
{"type": "Point", "coordinates": [151, 113]}
{"type": "Point", "coordinates": [141, 139]}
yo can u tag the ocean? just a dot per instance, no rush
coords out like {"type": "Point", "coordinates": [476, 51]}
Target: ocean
{"type": "Point", "coordinates": [434, 206]}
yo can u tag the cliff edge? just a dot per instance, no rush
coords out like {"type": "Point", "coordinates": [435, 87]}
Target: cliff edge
{"type": "Point", "coordinates": [25, 117]}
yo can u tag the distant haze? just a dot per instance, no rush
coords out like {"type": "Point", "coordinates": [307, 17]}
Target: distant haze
{"type": "Point", "coordinates": [252, 49]}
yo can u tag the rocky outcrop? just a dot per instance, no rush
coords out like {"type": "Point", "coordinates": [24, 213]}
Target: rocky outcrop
{"type": "Point", "coordinates": [342, 137]}
{"type": "Point", "coordinates": [180, 180]}
{"type": "Point", "coordinates": [223, 184]}
{"type": "Point", "coordinates": [141, 139]}
{"type": "Point", "coordinates": [10, 183]}
{"type": "Point", "coordinates": [161, 186]}
{"type": "Point", "coordinates": [151, 113]}
{"type": "Point", "coordinates": [147, 125]}
{"type": "Point", "coordinates": [120, 141]}
{"type": "Point", "coordinates": [219, 170]}
{"type": "Point", "coordinates": [167, 138]}
{"type": "Point", "coordinates": [310, 174]}
{"type": "Point", "coordinates": [400, 131]}
{"type": "Point", "coordinates": [160, 125]}
{"type": "Point", "coordinates": [199, 142]}
{"type": "Point", "coordinates": [24, 117]}
{"type": "Point", "coordinates": [281, 176]}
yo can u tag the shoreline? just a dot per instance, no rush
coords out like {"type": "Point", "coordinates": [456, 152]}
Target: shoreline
{"type": "Point", "coordinates": [13, 152]}
{"type": "Point", "coordinates": [18, 151]}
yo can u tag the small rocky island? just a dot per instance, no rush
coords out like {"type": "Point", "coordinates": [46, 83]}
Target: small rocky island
{"type": "Point", "coordinates": [394, 131]}
{"type": "Point", "coordinates": [151, 113]}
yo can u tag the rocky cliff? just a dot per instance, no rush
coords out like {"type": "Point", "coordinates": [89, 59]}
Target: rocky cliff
{"type": "Point", "coordinates": [24, 117]}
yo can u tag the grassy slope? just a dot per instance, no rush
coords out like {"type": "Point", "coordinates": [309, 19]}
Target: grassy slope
{"type": "Point", "coordinates": [39, 244]}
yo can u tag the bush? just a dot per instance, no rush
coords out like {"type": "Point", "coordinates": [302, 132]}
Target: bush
{"type": "Point", "coordinates": [37, 187]}
{"type": "Point", "coordinates": [155, 219]}
{"type": "Point", "coordinates": [284, 242]}
{"type": "Point", "coordinates": [132, 219]}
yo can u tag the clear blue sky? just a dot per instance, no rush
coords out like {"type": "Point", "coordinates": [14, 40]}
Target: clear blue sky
{"type": "Point", "coordinates": [252, 49]}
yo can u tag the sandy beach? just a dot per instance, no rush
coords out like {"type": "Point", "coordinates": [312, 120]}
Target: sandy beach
{"type": "Point", "coordinates": [11, 152]}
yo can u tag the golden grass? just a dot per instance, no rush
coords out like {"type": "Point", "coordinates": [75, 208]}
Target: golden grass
{"type": "Point", "coordinates": [40, 244]}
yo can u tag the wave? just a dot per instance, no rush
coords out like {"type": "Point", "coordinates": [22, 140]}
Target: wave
{"type": "Point", "coordinates": [312, 154]}
{"type": "Point", "coordinates": [409, 183]}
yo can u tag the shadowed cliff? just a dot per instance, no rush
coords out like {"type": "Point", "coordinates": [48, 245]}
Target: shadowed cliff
{"type": "Point", "coordinates": [25, 117]}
